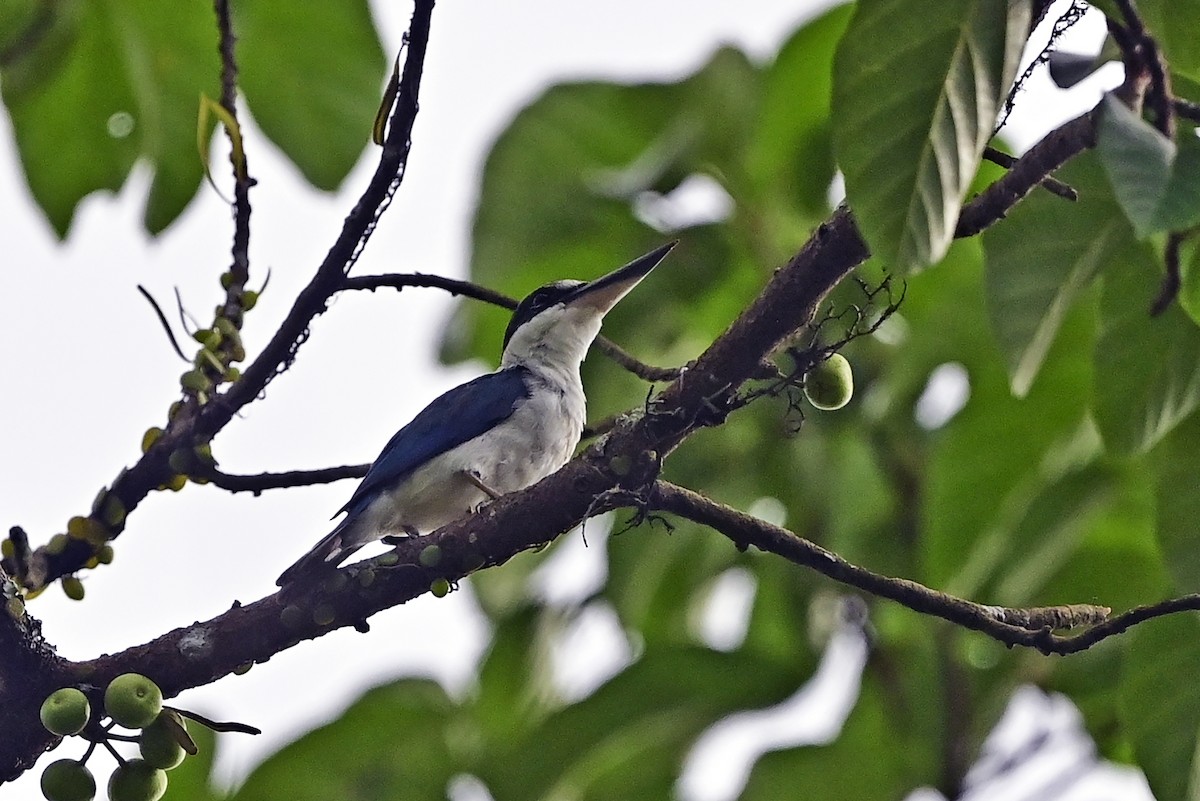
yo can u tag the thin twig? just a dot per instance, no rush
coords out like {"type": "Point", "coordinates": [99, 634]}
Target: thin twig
{"type": "Point", "coordinates": [1145, 53]}
{"type": "Point", "coordinates": [162, 319]}
{"type": "Point", "coordinates": [474, 291]}
{"type": "Point", "coordinates": [240, 250]}
{"type": "Point", "coordinates": [454, 286]}
{"type": "Point", "coordinates": [624, 359]}
{"type": "Point", "coordinates": [1186, 108]}
{"type": "Point", "coordinates": [259, 482]}
{"type": "Point", "coordinates": [1172, 279]}
{"type": "Point", "coordinates": [1026, 627]}
{"type": "Point", "coordinates": [1053, 151]}
{"type": "Point", "coordinates": [1049, 183]}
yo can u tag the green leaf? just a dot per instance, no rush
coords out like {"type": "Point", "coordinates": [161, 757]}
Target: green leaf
{"type": "Point", "coordinates": [790, 158]}
{"type": "Point", "coordinates": [629, 738]}
{"type": "Point", "coordinates": [1147, 368]}
{"type": "Point", "coordinates": [60, 111]}
{"type": "Point", "coordinates": [1177, 463]}
{"type": "Point", "coordinates": [312, 77]}
{"type": "Point", "coordinates": [856, 765]}
{"type": "Point", "coordinates": [125, 87]}
{"type": "Point", "coordinates": [917, 87]}
{"type": "Point", "coordinates": [1156, 181]}
{"type": "Point", "coordinates": [1160, 703]}
{"type": "Point", "coordinates": [973, 503]}
{"type": "Point", "coordinates": [172, 60]}
{"type": "Point", "coordinates": [402, 740]}
{"type": "Point", "coordinates": [560, 197]}
{"type": "Point", "coordinates": [1041, 258]}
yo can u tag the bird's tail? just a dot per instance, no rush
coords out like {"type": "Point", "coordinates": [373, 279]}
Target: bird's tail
{"type": "Point", "coordinates": [322, 560]}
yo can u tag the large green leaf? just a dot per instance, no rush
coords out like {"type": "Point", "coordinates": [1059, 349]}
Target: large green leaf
{"type": "Point", "coordinates": [313, 75]}
{"type": "Point", "coordinates": [917, 87]}
{"type": "Point", "coordinates": [857, 764]}
{"type": "Point", "coordinates": [61, 105]}
{"type": "Point", "coordinates": [117, 81]}
{"type": "Point", "coordinates": [1156, 181]}
{"type": "Point", "coordinates": [987, 464]}
{"type": "Point", "coordinates": [560, 197]}
{"type": "Point", "coordinates": [790, 157]}
{"type": "Point", "coordinates": [1041, 258]}
{"type": "Point", "coordinates": [1160, 703]}
{"type": "Point", "coordinates": [629, 739]}
{"type": "Point", "coordinates": [402, 740]}
{"type": "Point", "coordinates": [1177, 464]}
{"type": "Point", "coordinates": [1147, 368]}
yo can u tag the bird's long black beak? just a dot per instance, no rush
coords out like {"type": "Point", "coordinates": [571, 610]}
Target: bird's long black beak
{"type": "Point", "coordinates": [603, 293]}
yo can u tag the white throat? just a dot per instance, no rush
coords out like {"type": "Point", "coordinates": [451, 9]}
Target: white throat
{"type": "Point", "coordinates": [554, 343]}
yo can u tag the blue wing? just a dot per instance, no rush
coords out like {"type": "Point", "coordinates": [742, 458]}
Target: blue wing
{"type": "Point", "coordinates": [459, 415]}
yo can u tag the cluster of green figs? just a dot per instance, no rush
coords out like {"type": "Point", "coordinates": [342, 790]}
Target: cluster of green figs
{"type": "Point", "coordinates": [133, 702]}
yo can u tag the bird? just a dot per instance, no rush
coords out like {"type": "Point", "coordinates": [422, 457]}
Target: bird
{"type": "Point", "coordinates": [498, 433]}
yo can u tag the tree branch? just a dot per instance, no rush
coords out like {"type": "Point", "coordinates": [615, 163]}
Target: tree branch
{"type": "Point", "coordinates": [240, 268]}
{"type": "Point", "coordinates": [1026, 627]}
{"type": "Point", "coordinates": [1040, 161]}
{"type": "Point", "coordinates": [292, 478]}
{"type": "Point", "coordinates": [193, 423]}
{"type": "Point", "coordinates": [455, 287]}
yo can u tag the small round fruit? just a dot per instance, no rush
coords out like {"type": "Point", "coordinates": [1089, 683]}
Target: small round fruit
{"type": "Point", "coordinates": [430, 556]}
{"type": "Point", "coordinates": [137, 780]}
{"type": "Point", "coordinates": [65, 712]}
{"type": "Point", "coordinates": [132, 700]}
{"type": "Point", "coordinates": [439, 587]}
{"type": "Point", "coordinates": [830, 384]}
{"type": "Point", "coordinates": [68, 780]}
{"type": "Point", "coordinates": [73, 588]}
{"type": "Point", "coordinates": [158, 744]}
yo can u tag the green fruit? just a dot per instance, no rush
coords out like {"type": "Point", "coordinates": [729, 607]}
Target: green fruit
{"type": "Point", "coordinates": [181, 461]}
{"type": "Point", "coordinates": [73, 587]}
{"type": "Point", "coordinates": [68, 780]}
{"type": "Point", "coordinates": [323, 614]}
{"type": "Point", "coordinates": [226, 327]}
{"type": "Point", "coordinates": [137, 780]}
{"type": "Point", "coordinates": [430, 556]}
{"type": "Point", "coordinates": [440, 588]}
{"type": "Point", "coordinates": [195, 381]}
{"type": "Point", "coordinates": [105, 555]}
{"type": "Point", "coordinates": [150, 437]}
{"type": "Point", "coordinates": [114, 510]}
{"type": "Point", "coordinates": [830, 384]}
{"type": "Point", "coordinates": [249, 299]}
{"type": "Point", "coordinates": [65, 712]}
{"type": "Point", "coordinates": [15, 608]}
{"type": "Point", "coordinates": [132, 700]}
{"type": "Point", "coordinates": [159, 742]}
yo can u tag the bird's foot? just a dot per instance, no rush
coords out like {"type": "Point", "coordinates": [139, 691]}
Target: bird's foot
{"type": "Point", "coordinates": [480, 484]}
{"type": "Point", "coordinates": [396, 539]}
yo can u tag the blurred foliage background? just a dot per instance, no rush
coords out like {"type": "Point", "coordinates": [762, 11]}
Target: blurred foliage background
{"type": "Point", "coordinates": [1022, 433]}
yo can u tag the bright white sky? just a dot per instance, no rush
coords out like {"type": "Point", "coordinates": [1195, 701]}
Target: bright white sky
{"type": "Point", "coordinates": [91, 369]}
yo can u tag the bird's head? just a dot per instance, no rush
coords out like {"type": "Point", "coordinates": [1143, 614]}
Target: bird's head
{"type": "Point", "coordinates": [558, 321]}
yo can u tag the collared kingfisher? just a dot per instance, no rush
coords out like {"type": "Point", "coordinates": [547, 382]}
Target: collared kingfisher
{"type": "Point", "coordinates": [493, 435]}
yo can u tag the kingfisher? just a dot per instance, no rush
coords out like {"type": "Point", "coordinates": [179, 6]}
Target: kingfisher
{"type": "Point", "coordinates": [496, 434]}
